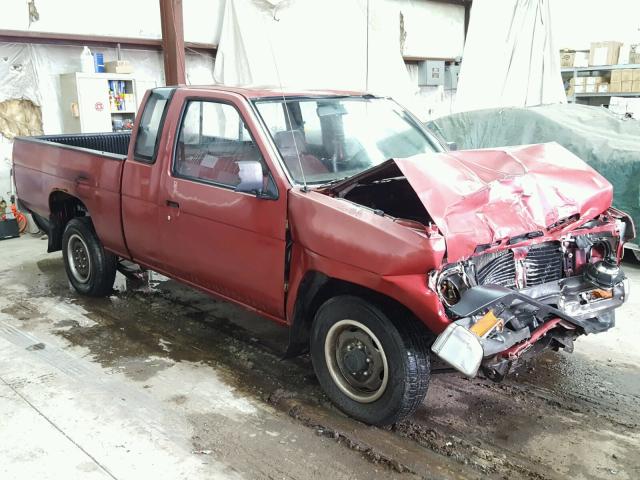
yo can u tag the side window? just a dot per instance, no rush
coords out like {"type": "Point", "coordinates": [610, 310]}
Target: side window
{"type": "Point", "coordinates": [150, 125]}
{"type": "Point", "coordinates": [212, 140]}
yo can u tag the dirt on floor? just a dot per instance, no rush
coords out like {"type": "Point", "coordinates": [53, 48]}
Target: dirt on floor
{"type": "Point", "coordinates": [217, 371]}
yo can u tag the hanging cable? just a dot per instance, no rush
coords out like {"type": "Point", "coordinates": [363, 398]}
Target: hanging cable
{"type": "Point", "coordinates": [366, 80]}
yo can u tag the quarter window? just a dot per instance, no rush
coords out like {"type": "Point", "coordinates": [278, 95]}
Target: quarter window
{"type": "Point", "coordinates": [150, 125]}
{"type": "Point", "coordinates": [212, 139]}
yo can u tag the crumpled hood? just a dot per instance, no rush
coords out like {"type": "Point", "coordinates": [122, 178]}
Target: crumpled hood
{"type": "Point", "coordinates": [478, 197]}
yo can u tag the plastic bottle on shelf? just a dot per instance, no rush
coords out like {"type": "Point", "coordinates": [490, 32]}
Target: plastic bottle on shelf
{"type": "Point", "coordinates": [86, 61]}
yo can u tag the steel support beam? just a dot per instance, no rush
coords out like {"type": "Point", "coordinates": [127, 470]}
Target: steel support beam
{"type": "Point", "coordinates": [173, 42]}
{"type": "Point", "coordinates": [53, 38]}
{"type": "Point", "coordinates": [467, 16]}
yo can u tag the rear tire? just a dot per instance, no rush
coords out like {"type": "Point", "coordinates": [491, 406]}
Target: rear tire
{"type": "Point", "coordinates": [373, 369]}
{"type": "Point", "coordinates": [90, 269]}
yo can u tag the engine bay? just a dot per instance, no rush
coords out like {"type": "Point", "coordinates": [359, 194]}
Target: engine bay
{"type": "Point", "coordinates": [393, 196]}
{"type": "Point", "coordinates": [388, 192]}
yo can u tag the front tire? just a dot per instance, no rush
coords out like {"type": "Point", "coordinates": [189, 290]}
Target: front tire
{"type": "Point", "coordinates": [372, 369]}
{"type": "Point", "coordinates": [90, 269]}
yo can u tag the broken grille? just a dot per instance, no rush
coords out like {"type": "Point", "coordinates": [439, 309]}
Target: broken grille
{"type": "Point", "coordinates": [497, 269]}
{"type": "Point", "coordinates": [543, 263]}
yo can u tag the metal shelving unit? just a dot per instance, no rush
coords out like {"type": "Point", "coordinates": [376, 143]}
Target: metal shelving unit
{"type": "Point", "coordinates": [608, 94]}
{"type": "Point", "coordinates": [576, 72]}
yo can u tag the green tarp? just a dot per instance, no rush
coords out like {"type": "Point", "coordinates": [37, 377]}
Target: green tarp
{"type": "Point", "coordinates": [609, 144]}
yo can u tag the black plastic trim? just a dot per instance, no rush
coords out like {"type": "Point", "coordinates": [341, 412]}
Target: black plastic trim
{"type": "Point", "coordinates": [48, 140]}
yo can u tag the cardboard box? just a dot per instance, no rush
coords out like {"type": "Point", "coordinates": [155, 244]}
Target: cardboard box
{"type": "Point", "coordinates": [636, 86]}
{"type": "Point", "coordinates": [603, 88]}
{"type": "Point", "coordinates": [627, 75]}
{"type": "Point", "coordinates": [567, 58]}
{"type": "Point", "coordinates": [616, 75]}
{"type": "Point", "coordinates": [581, 59]}
{"type": "Point", "coordinates": [627, 86]}
{"type": "Point", "coordinates": [634, 53]}
{"type": "Point", "coordinates": [570, 92]}
{"type": "Point", "coordinates": [118, 66]}
{"type": "Point", "coordinates": [623, 57]}
{"type": "Point", "coordinates": [579, 88]}
{"type": "Point", "coordinates": [590, 88]}
{"type": "Point", "coordinates": [604, 53]}
{"type": "Point", "coordinates": [615, 87]}
{"type": "Point", "coordinates": [578, 81]}
{"type": "Point", "coordinates": [636, 74]}
{"type": "Point", "coordinates": [593, 80]}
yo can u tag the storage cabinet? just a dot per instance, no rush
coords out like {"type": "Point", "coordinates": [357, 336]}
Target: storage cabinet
{"type": "Point", "coordinates": [100, 102]}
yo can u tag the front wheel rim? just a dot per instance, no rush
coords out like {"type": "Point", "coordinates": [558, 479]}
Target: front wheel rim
{"type": "Point", "coordinates": [78, 258]}
{"type": "Point", "coordinates": [356, 361]}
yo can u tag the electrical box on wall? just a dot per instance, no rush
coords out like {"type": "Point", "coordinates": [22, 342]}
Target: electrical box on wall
{"type": "Point", "coordinates": [431, 73]}
{"type": "Point", "coordinates": [451, 73]}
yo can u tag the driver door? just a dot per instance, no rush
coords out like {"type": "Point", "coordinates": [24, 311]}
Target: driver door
{"type": "Point", "coordinates": [216, 238]}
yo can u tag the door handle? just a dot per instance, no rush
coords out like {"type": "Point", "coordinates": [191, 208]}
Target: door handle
{"type": "Point", "coordinates": [172, 204]}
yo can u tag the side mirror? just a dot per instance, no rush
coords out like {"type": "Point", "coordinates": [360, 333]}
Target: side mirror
{"type": "Point", "coordinates": [251, 177]}
{"type": "Point", "coordinates": [453, 146]}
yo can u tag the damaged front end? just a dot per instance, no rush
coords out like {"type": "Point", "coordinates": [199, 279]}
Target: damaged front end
{"type": "Point", "coordinates": [512, 303]}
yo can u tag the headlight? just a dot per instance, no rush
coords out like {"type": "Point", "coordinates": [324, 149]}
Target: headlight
{"type": "Point", "coordinates": [598, 251]}
{"type": "Point", "coordinates": [450, 285]}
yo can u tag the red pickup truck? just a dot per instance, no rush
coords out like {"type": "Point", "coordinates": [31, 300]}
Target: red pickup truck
{"type": "Point", "coordinates": [339, 216]}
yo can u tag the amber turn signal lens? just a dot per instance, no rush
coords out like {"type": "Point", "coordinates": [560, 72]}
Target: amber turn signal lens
{"type": "Point", "coordinates": [599, 293]}
{"type": "Point", "coordinates": [487, 323]}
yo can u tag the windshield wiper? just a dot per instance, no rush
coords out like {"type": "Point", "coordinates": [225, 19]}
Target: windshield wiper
{"type": "Point", "coordinates": [334, 181]}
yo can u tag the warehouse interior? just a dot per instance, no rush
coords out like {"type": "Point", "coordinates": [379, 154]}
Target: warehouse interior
{"type": "Point", "coordinates": [207, 207]}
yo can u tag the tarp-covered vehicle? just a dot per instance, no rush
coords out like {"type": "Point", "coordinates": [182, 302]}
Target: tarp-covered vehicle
{"type": "Point", "coordinates": [608, 143]}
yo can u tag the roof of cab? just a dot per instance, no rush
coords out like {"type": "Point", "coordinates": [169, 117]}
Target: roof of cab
{"type": "Point", "coordinates": [255, 92]}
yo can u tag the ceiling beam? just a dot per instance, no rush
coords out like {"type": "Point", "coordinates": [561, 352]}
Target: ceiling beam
{"type": "Point", "coordinates": [51, 38]}
{"type": "Point", "coordinates": [462, 3]}
{"type": "Point", "coordinates": [414, 59]}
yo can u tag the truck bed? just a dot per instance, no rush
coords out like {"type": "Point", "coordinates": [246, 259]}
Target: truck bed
{"type": "Point", "coordinates": [116, 143]}
{"type": "Point", "coordinates": [85, 166]}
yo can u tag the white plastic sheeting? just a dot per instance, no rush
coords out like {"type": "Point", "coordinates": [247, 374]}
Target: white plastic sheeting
{"type": "Point", "coordinates": [18, 80]}
{"type": "Point", "coordinates": [19, 77]}
{"type": "Point", "coordinates": [32, 72]}
{"type": "Point", "coordinates": [137, 19]}
{"type": "Point", "coordinates": [510, 57]}
{"type": "Point", "coordinates": [314, 45]}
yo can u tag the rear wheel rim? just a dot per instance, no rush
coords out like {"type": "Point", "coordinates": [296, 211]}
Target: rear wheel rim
{"type": "Point", "coordinates": [356, 361]}
{"type": "Point", "coordinates": [79, 258]}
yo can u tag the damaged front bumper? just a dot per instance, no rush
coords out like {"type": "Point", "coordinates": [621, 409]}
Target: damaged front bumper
{"type": "Point", "coordinates": [490, 329]}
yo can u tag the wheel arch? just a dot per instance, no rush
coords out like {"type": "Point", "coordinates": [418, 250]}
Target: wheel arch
{"type": "Point", "coordinates": [62, 208]}
{"type": "Point", "coordinates": [316, 288]}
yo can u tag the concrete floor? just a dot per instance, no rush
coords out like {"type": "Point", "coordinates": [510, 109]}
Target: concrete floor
{"type": "Point", "coordinates": [163, 382]}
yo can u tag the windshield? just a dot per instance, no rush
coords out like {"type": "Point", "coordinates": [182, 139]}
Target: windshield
{"type": "Point", "coordinates": [326, 139]}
